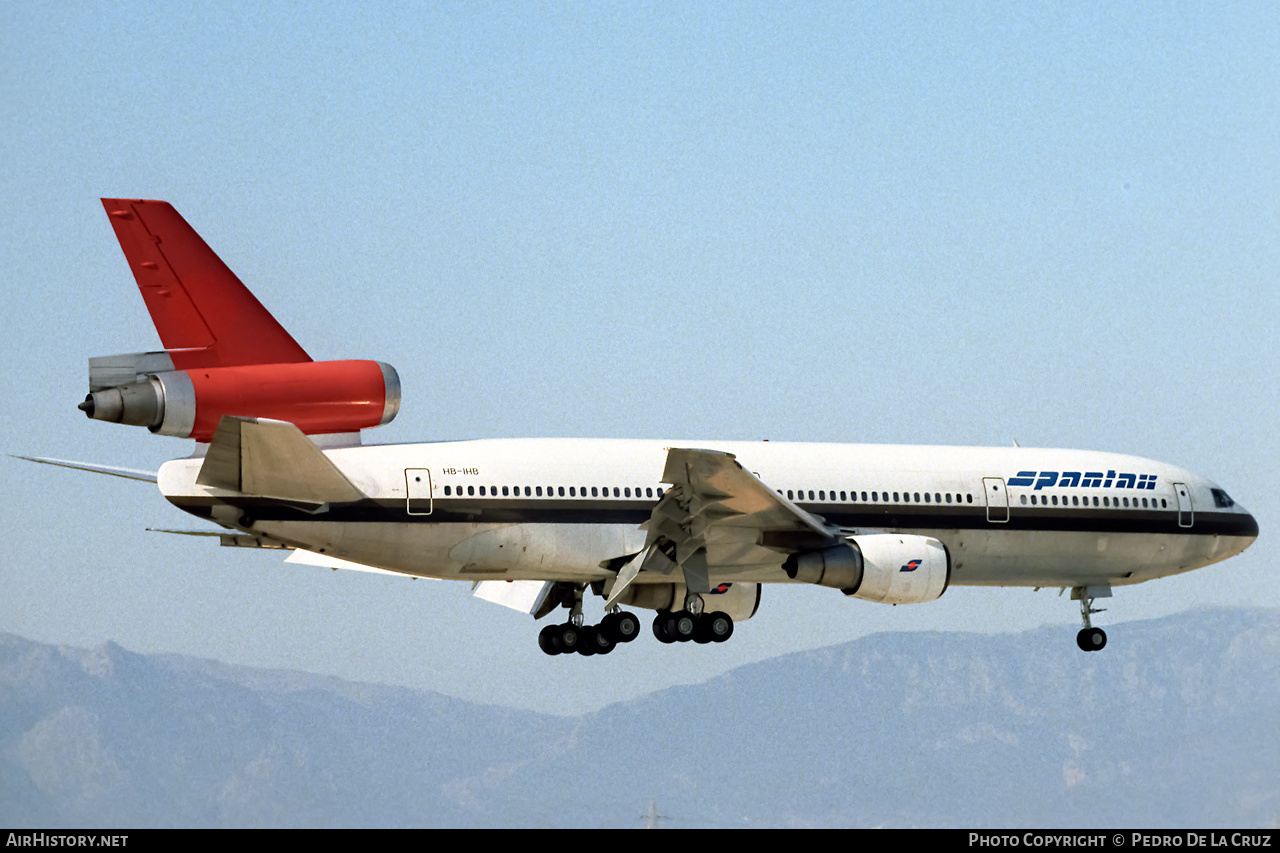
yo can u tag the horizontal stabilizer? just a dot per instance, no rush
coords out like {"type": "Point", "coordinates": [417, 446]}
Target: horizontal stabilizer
{"type": "Point", "coordinates": [272, 459]}
{"type": "Point", "coordinates": [112, 470]}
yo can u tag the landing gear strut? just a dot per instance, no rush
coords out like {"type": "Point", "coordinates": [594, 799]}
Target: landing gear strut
{"type": "Point", "coordinates": [1090, 639]}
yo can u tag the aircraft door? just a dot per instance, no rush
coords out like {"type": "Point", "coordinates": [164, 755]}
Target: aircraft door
{"type": "Point", "coordinates": [997, 499]}
{"type": "Point", "coordinates": [1186, 513]}
{"type": "Point", "coordinates": [417, 483]}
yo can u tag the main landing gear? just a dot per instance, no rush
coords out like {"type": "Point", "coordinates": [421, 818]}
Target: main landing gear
{"type": "Point", "coordinates": [570, 637]}
{"type": "Point", "coordinates": [692, 623]}
{"type": "Point", "coordinates": [618, 626]}
{"type": "Point", "coordinates": [682, 626]}
{"type": "Point", "coordinates": [1090, 639]}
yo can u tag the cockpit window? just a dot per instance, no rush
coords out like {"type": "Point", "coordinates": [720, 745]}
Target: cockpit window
{"type": "Point", "coordinates": [1221, 499]}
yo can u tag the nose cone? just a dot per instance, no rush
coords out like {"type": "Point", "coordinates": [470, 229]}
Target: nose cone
{"type": "Point", "coordinates": [1248, 527]}
{"type": "Point", "coordinates": [1241, 533]}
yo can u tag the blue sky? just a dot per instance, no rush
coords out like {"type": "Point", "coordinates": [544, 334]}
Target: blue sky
{"type": "Point", "coordinates": [909, 223]}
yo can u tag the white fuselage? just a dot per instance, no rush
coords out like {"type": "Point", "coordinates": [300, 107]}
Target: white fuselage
{"type": "Point", "coordinates": [562, 509]}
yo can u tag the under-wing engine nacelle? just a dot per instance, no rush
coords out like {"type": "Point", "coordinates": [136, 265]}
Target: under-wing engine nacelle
{"type": "Point", "coordinates": [885, 567]}
{"type": "Point", "coordinates": [318, 396]}
{"type": "Point", "coordinates": [739, 600]}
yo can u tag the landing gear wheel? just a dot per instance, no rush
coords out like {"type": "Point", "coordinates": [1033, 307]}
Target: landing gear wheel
{"type": "Point", "coordinates": [1091, 639]}
{"type": "Point", "coordinates": [660, 627]}
{"type": "Point", "coordinates": [547, 639]}
{"type": "Point", "coordinates": [567, 637]}
{"type": "Point", "coordinates": [718, 626]}
{"type": "Point", "coordinates": [587, 645]}
{"type": "Point", "coordinates": [682, 626]}
{"type": "Point", "coordinates": [596, 641]}
{"type": "Point", "coordinates": [621, 627]}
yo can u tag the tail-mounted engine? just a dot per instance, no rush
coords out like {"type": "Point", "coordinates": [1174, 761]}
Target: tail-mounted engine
{"type": "Point", "coordinates": [319, 397]}
{"type": "Point", "coordinates": [886, 567]}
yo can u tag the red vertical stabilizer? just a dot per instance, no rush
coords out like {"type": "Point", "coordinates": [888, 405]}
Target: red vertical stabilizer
{"type": "Point", "coordinates": [205, 315]}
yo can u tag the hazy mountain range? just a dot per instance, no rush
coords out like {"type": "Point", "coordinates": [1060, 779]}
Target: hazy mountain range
{"type": "Point", "coordinates": [1175, 724]}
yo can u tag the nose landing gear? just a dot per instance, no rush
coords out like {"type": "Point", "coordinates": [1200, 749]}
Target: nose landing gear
{"type": "Point", "coordinates": [1090, 639]}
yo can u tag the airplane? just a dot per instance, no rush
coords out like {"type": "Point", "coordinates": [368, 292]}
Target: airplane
{"type": "Point", "coordinates": [692, 530]}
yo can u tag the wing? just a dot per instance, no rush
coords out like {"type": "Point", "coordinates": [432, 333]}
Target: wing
{"type": "Point", "coordinates": [719, 519]}
{"type": "Point", "coordinates": [525, 596]}
{"type": "Point", "coordinates": [311, 558]}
